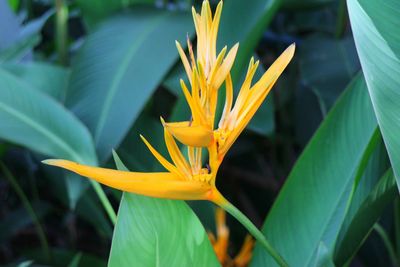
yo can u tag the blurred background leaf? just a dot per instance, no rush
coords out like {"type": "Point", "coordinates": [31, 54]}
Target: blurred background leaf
{"type": "Point", "coordinates": [25, 119]}
{"type": "Point", "coordinates": [50, 79]}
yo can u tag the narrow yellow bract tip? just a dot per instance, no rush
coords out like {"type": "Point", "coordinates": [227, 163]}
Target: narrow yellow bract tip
{"type": "Point", "coordinates": [291, 49]}
{"type": "Point", "coordinates": [52, 162]}
{"type": "Point", "coordinates": [162, 121]}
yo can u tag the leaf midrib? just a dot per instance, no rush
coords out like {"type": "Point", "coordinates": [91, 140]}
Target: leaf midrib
{"type": "Point", "coordinates": [119, 74]}
{"type": "Point", "coordinates": [54, 138]}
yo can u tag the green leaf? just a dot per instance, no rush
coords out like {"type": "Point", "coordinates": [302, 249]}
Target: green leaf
{"type": "Point", "coordinates": [119, 67]}
{"type": "Point", "coordinates": [32, 119]}
{"type": "Point", "coordinates": [50, 79]}
{"type": "Point", "coordinates": [160, 232]}
{"type": "Point", "coordinates": [354, 233]}
{"type": "Point", "coordinates": [28, 36]}
{"type": "Point", "coordinates": [323, 257]}
{"type": "Point", "coordinates": [327, 80]}
{"type": "Point", "coordinates": [248, 32]}
{"type": "Point", "coordinates": [365, 181]}
{"type": "Point", "coordinates": [311, 205]}
{"type": "Point", "coordinates": [305, 4]}
{"type": "Point", "coordinates": [75, 260]}
{"type": "Point", "coordinates": [375, 27]}
{"type": "Point", "coordinates": [95, 11]}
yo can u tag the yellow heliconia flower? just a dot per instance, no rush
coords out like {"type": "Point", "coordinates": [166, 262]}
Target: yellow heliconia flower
{"type": "Point", "coordinates": [188, 178]}
{"type": "Point", "coordinates": [206, 76]}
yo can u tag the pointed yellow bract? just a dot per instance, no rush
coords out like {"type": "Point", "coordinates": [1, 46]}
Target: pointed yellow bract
{"type": "Point", "coordinates": [187, 177]}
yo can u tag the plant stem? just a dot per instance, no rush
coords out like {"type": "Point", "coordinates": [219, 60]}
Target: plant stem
{"type": "Point", "coordinates": [382, 233]}
{"type": "Point", "coordinates": [259, 236]}
{"type": "Point", "coordinates": [62, 31]}
{"type": "Point", "coordinates": [27, 205]}
{"type": "Point", "coordinates": [104, 201]}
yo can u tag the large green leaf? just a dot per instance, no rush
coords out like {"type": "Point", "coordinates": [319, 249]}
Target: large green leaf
{"type": "Point", "coordinates": [158, 232]}
{"type": "Point", "coordinates": [119, 67]}
{"type": "Point", "coordinates": [31, 118]}
{"type": "Point", "coordinates": [375, 26]}
{"type": "Point", "coordinates": [366, 179]}
{"type": "Point", "coordinates": [311, 205]}
{"type": "Point", "coordinates": [95, 11]}
{"type": "Point", "coordinates": [50, 79]}
{"type": "Point", "coordinates": [357, 230]}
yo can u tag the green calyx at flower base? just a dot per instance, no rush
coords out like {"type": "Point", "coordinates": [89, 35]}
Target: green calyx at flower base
{"type": "Point", "coordinates": [187, 178]}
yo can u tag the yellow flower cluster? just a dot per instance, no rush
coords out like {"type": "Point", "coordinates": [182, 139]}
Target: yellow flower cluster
{"type": "Point", "coordinates": [187, 178]}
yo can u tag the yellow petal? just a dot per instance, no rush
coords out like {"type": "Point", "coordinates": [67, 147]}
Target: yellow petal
{"type": "Point", "coordinates": [190, 135]}
{"type": "Point", "coordinates": [217, 63]}
{"type": "Point", "coordinates": [175, 153]}
{"type": "Point", "coordinates": [185, 61]}
{"type": "Point", "coordinates": [157, 184]}
{"type": "Point", "coordinates": [225, 67]}
{"type": "Point", "coordinates": [258, 93]}
{"type": "Point", "coordinates": [228, 102]}
{"type": "Point", "coordinates": [198, 159]}
{"type": "Point", "coordinates": [243, 94]}
{"type": "Point", "coordinates": [166, 164]}
{"type": "Point", "coordinates": [193, 100]}
{"type": "Point", "coordinates": [214, 30]}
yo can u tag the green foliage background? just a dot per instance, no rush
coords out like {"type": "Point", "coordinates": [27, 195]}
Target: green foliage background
{"type": "Point", "coordinates": [317, 169]}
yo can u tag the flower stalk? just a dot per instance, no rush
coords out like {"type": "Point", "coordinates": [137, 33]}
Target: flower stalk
{"type": "Point", "coordinates": [253, 230]}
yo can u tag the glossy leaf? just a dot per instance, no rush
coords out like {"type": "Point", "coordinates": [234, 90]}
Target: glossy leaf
{"type": "Point", "coordinates": [158, 232]}
{"type": "Point", "coordinates": [311, 205]}
{"type": "Point", "coordinates": [50, 79]}
{"type": "Point", "coordinates": [366, 179]}
{"type": "Point", "coordinates": [357, 230]}
{"type": "Point", "coordinates": [375, 28]}
{"type": "Point", "coordinates": [33, 119]}
{"type": "Point", "coordinates": [119, 67]}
